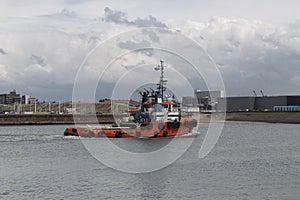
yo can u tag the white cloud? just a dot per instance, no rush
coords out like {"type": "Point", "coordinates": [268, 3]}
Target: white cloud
{"type": "Point", "coordinates": [3, 73]}
{"type": "Point", "coordinates": [251, 54]}
{"type": "Point", "coordinates": [46, 51]}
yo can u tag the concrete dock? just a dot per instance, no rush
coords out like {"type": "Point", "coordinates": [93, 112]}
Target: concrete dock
{"type": "Point", "coordinates": [44, 119]}
{"type": "Point", "coordinates": [40, 119]}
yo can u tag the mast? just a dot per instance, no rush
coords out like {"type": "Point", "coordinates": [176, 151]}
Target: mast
{"type": "Point", "coordinates": [162, 82]}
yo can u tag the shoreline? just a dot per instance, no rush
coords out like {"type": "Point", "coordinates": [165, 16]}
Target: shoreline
{"type": "Point", "coordinates": [266, 117]}
{"type": "Point", "coordinates": [55, 119]}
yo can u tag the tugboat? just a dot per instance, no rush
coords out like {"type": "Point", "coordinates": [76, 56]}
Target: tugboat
{"type": "Point", "coordinates": [157, 116]}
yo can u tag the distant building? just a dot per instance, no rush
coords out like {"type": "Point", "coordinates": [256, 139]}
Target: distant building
{"type": "Point", "coordinates": [10, 98]}
{"type": "Point", "coordinates": [6, 108]}
{"type": "Point", "coordinates": [190, 104]}
{"type": "Point", "coordinates": [259, 103]}
{"type": "Point", "coordinates": [27, 99]}
{"type": "Point", "coordinates": [208, 100]}
{"type": "Point", "coordinates": [189, 101]}
{"type": "Point", "coordinates": [235, 104]}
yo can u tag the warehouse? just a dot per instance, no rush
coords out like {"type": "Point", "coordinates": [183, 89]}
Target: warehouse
{"type": "Point", "coordinates": [261, 103]}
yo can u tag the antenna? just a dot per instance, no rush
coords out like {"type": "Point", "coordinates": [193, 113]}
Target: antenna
{"type": "Point", "coordinates": [254, 93]}
{"type": "Point", "coordinates": [262, 93]}
{"type": "Point", "coordinates": [161, 88]}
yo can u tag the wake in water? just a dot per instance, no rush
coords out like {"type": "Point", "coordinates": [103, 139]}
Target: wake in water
{"type": "Point", "coordinates": [29, 137]}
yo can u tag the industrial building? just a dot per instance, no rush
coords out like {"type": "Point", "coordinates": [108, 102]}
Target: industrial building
{"type": "Point", "coordinates": [208, 100]}
{"type": "Point", "coordinates": [259, 103]}
{"type": "Point", "coordinates": [189, 101]}
{"type": "Point", "coordinates": [215, 101]}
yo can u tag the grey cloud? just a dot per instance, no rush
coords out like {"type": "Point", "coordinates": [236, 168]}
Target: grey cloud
{"type": "Point", "coordinates": [144, 46]}
{"type": "Point", "coordinates": [37, 60]}
{"type": "Point", "coordinates": [68, 13]}
{"type": "Point", "coordinates": [2, 51]}
{"type": "Point", "coordinates": [132, 66]}
{"type": "Point", "coordinates": [152, 35]}
{"type": "Point", "coordinates": [149, 22]}
{"type": "Point", "coordinates": [120, 17]}
{"type": "Point", "coordinates": [255, 55]}
{"type": "Point", "coordinates": [117, 17]}
{"type": "Point", "coordinates": [130, 45]}
{"type": "Point", "coordinates": [64, 13]}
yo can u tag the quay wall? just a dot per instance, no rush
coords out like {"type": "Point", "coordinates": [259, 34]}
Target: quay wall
{"type": "Point", "coordinates": [36, 119]}
{"type": "Point", "coordinates": [32, 119]}
{"type": "Point", "coordinates": [268, 117]}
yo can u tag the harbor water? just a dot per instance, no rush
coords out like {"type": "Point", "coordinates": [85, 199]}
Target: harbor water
{"type": "Point", "coordinates": [249, 161]}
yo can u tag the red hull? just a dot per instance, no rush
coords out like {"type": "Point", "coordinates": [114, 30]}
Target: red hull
{"type": "Point", "coordinates": [154, 129]}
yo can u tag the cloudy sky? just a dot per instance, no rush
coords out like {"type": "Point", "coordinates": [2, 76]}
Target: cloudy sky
{"type": "Point", "coordinates": [254, 44]}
